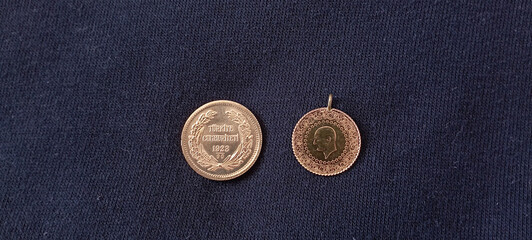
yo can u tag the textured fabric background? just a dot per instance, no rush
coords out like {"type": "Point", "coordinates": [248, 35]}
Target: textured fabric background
{"type": "Point", "coordinates": [94, 95]}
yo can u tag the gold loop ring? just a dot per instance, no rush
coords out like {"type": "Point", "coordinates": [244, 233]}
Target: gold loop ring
{"type": "Point", "coordinates": [329, 104]}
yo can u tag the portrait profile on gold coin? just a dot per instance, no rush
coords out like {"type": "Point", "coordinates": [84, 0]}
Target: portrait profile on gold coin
{"type": "Point", "coordinates": [325, 140]}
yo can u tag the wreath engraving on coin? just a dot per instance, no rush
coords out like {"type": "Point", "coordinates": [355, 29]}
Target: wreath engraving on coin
{"type": "Point", "coordinates": [221, 140]}
{"type": "Point", "coordinates": [326, 141]}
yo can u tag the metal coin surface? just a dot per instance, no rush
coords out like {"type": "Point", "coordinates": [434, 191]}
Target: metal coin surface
{"type": "Point", "coordinates": [221, 140]}
{"type": "Point", "coordinates": [326, 141]}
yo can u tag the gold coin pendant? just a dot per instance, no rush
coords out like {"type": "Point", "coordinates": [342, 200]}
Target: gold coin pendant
{"type": "Point", "coordinates": [326, 141]}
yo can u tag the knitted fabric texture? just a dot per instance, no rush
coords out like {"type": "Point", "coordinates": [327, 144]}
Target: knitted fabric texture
{"type": "Point", "coordinates": [94, 95]}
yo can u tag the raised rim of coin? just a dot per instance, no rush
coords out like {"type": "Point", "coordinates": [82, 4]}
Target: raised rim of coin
{"type": "Point", "coordinates": [342, 162]}
{"type": "Point", "coordinates": [253, 158]}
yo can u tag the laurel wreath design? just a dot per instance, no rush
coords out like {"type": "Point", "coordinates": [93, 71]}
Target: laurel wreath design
{"type": "Point", "coordinates": [230, 162]}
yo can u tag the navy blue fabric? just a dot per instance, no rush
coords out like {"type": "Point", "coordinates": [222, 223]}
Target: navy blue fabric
{"type": "Point", "coordinates": [94, 94]}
